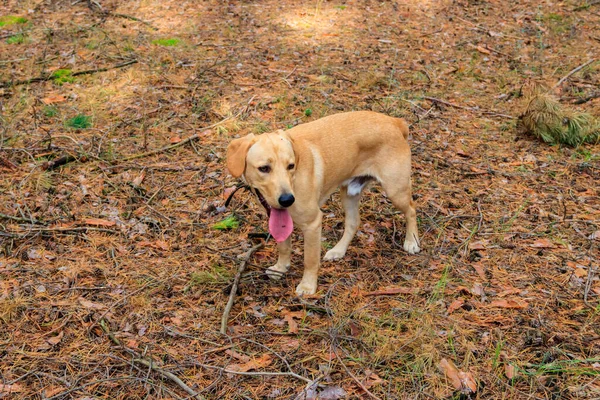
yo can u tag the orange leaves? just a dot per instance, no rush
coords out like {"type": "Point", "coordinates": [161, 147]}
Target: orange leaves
{"type": "Point", "coordinates": [252, 364]}
{"type": "Point", "coordinates": [8, 389]}
{"type": "Point", "coordinates": [460, 380]}
{"type": "Point", "coordinates": [518, 304]}
{"type": "Point", "coordinates": [53, 99]}
{"type": "Point", "coordinates": [98, 222]}
{"type": "Point", "coordinates": [543, 243]}
{"type": "Point", "coordinates": [392, 291]}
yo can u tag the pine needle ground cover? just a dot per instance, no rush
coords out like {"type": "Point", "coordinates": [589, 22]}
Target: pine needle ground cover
{"type": "Point", "coordinates": [118, 253]}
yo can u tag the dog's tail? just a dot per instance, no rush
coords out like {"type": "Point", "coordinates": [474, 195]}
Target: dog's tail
{"type": "Point", "coordinates": [403, 127]}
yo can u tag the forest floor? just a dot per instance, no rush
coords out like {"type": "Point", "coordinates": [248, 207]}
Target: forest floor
{"type": "Point", "coordinates": [114, 276]}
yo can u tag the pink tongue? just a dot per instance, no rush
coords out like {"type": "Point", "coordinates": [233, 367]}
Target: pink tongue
{"type": "Point", "coordinates": [280, 224]}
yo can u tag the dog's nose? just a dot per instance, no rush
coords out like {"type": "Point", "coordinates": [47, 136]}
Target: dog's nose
{"type": "Point", "coordinates": [286, 200]}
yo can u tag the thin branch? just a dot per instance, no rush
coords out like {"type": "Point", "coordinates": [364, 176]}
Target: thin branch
{"type": "Point", "coordinates": [256, 373]}
{"type": "Point", "coordinates": [352, 375]}
{"type": "Point", "coordinates": [168, 375]}
{"type": "Point", "coordinates": [20, 219]}
{"type": "Point", "coordinates": [433, 99]}
{"type": "Point", "coordinates": [564, 78]}
{"type": "Point", "coordinates": [48, 77]}
{"type": "Point", "coordinates": [234, 287]}
{"type": "Point", "coordinates": [187, 140]}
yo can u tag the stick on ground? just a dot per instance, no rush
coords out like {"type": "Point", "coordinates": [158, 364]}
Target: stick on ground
{"type": "Point", "coordinates": [234, 287]}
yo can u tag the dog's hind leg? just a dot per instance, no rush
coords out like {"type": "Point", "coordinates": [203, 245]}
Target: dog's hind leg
{"type": "Point", "coordinates": [352, 219]}
{"type": "Point", "coordinates": [398, 190]}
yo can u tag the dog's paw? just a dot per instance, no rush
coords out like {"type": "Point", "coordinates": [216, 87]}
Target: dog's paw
{"type": "Point", "coordinates": [411, 247]}
{"type": "Point", "coordinates": [334, 254]}
{"type": "Point", "coordinates": [306, 288]}
{"type": "Point", "coordinates": [276, 272]}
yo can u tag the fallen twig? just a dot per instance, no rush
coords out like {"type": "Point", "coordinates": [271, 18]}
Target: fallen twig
{"type": "Point", "coordinates": [187, 140]}
{"type": "Point", "coordinates": [433, 99]}
{"type": "Point", "coordinates": [48, 77]}
{"type": "Point", "coordinates": [21, 219]}
{"type": "Point", "coordinates": [149, 363]}
{"type": "Point", "coordinates": [234, 287]}
{"type": "Point", "coordinates": [168, 375]}
{"type": "Point", "coordinates": [564, 78]}
{"type": "Point", "coordinates": [352, 375]}
{"type": "Point", "coordinates": [587, 98]}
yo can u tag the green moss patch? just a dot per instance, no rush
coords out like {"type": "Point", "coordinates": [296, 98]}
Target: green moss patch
{"type": "Point", "coordinates": [166, 42]}
{"type": "Point", "coordinates": [8, 20]}
{"type": "Point", "coordinates": [61, 76]}
{"type": "Point", "coordinates": [16, 39]}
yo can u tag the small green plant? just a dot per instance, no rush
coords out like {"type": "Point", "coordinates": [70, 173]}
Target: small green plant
{"type": "Point", "coordinates": [80, 121]}
{"type": "Point", "coordinates": [548, 120]}
{"type": "Point", "coordinates": [230, 222]}
{"type": "Point", "coordinates": [216, 274]}
{"type": "Point", "coordinates": [61, 76]}
{"type": "Point", "coordinates": [7, 20]}
{"type": "Point", "coordinates": [166, 42]}
{"type": "Point", "coordinates": [19, 38]}
{"type": "Point", "coordinates": [50, 111]}
{"type": "Point", "coordinates": [308, 112]}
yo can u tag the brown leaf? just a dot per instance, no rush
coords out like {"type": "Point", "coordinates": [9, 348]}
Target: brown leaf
{"type": "Point", "coordinates": [98, 222]}
{"type": "Point", "coordinates": [174, 139]}
{"type": "Point", "coordinates": [480, 245]}
{"type": "Point", "coordinates": [254, 364]}
{"type": "Point", "coordinates": [292, 325]}
{"type": "Point", "coordinates": [14, 388]}
{"type": "Point", "coordinates": [238, 356]}
{"type": "Point", "coordinates": [483, 50]}
{"type": "Point", "coordinates": [137, 181]}
{"type": "Point", "coordinates": [355, 329]}
{"type": "Point", "coordinates": [54, 340]}
{"type": "Point", "coordinates": [480, 269]}
{"type": "Point", "coordinates": [455, 305]}
{"type": "Point", "coordinates": [372, 379]}
{"type": "Point", "coordinates": [90, 304]}
{"type": "Point", "coordinates": [543, 243]}
{"type": "Point", "coordinates": [227, 192]}
{"type": "Point", "coordinates": [509, 303]}
{"type": "Point", "coordinates": [595, 235]}
{"type": "Point", "coordinates": [391, 291]}
{"type": "Point", "coordinates": [53, 99]}
{"type": "Point", "coordinates": [460, 380]}
{"type": "Point", "coordinates": [509, 371]}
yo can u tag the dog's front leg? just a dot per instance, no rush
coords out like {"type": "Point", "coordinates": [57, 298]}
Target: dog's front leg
{"type": "Point", "coordinates": [312, 256]}
{"type": "Point", "coordinates": [283, 262]}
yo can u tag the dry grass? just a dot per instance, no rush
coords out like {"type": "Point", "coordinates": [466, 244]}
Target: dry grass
{"type": "Point", "coordinates": [105, 261]}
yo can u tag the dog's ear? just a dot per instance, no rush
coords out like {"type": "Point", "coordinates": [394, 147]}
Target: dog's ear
{"type": "Point", "coordinates": [236, 154]}
{"type": "Point", "coordinates": [286, 135]}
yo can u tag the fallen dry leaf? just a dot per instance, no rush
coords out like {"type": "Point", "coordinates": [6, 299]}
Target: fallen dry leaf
{"type": "Point", "coordinates": [483, 50]}
{"type": "Point", "coordinates": [455, 305]}
{"type": "Point", "coordinates": [463, 381]}
{"type": "Point", "coordinates": [543, 244]}
{"type": "Point", "coordinates": [480, 269]}
{"type": "Point", "coordinates": [174, 139]}
{"type": "Point", "coordinates": [98, 222]}
{"type": "Point", "coordinates": [292, 325]}
{"type": "Point", "coordinates": [371, 379]}
{"type": "Point", "coordinates": [14, 388]}
{"type": "Point", "coordinates": [595, 235]}
{"type": "Point", "coordinates": [90, 304]}
{"type": "Point", "coordinates": [509, 303]}
{"type": "Point", "coordinates": [509, 371]}
{"type": "Point", "coordinates": [392, 291]}
{"type": "Point", "coordinates": [253, 364]}
{"type": "Point", "coordinates": [54, 340]}
{"type": "Point", "coordinates": [53, 99]}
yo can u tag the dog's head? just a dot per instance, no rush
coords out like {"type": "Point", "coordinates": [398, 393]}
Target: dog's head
{"type": "Point", "coordinates": [267, 163]}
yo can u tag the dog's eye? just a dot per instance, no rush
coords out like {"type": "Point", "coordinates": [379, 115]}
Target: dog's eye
{"type": "Point", "coordinates": [291, 166]}
{"type": "Point", "coordinates": [265, 169]}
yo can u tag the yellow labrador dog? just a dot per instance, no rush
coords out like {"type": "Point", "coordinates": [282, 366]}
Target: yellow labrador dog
{"type": "Point", "coordinates": [294, 172]}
